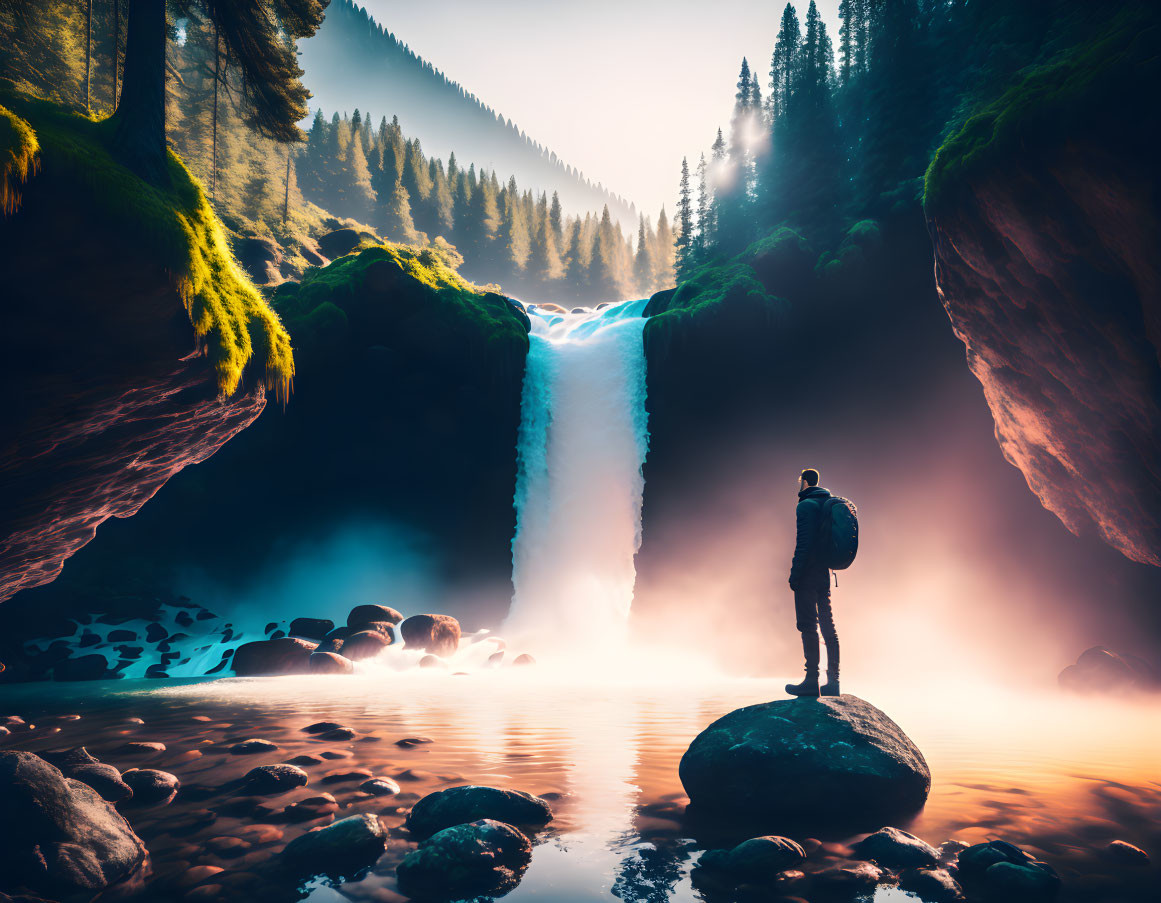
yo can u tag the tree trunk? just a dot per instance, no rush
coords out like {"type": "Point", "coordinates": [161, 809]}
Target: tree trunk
{"type": "Point", "coordinates": [88, 58]}
{"type": "Point", "coordinates": [116, 51]}
{"type": "Point", "coordinates": [286, 197]}
{"type": "Point", "coordinates": [139, 123]}
{"type": "Point", "coordinates": [217, 81]}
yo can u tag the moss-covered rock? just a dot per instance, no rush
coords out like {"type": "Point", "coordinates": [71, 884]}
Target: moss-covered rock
{"type": "Point", "coordinates": [232, 322]}
{"type": "Point", "coordinates": [484, 857]}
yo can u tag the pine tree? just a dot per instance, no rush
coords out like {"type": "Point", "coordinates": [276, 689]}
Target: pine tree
{"type": "Point", "coordinates": [703, 238]}
{"type": "Point", "coordinates": [663, 259]}
{"type": "Point", "coordinates": [684, 238]}
{"type": "Point", "coordinates": [555, 219]}
{"type": "Point", "coordinates": [784, 62]}
{"type": "Point", "coordinates": [643, 262]}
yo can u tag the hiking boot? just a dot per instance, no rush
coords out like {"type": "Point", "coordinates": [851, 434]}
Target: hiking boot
{"type": "Point", "coordinates": [831, 687]}
{"type": "Point", "coordinates": [808, 687]}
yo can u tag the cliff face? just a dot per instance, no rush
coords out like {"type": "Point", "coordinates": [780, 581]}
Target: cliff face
{"type": "Point", "coordinates": [107, 397]}
{"type": "Point", "coordinates": [125, 333]}
{"type": "Point", "coordinates": [1048, 270]}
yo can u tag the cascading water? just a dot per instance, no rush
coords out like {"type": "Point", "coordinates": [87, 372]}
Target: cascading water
{"type": "Point", "coordinates": [582, 442]}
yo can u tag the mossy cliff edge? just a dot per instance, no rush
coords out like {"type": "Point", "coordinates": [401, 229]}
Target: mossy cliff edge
{"type": "Point", "coordinates": [131, 345]}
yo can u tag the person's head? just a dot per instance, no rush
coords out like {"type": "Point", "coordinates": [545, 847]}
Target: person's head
{"type": "Point", "coordinates": [807, 478]}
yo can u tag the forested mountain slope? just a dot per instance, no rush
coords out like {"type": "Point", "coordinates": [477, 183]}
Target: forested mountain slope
{"type": "Point", "coordinates": [394, 81]}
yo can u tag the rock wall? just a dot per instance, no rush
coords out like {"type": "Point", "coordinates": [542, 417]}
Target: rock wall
{"type": "Point", "coordinates": [1047, 267]}
{"type": "Point", "coordinates": [106, 395]}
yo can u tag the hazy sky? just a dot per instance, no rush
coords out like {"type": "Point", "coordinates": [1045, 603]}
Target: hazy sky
{"type": "Point", "coordinates": [619, 88]}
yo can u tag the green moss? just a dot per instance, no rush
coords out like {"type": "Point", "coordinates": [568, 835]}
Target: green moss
{"type": "Point", "coordinates": [19, 158]}
{"type": "Point", "coordinates": [852, 252]}
{"type": "Point", "coordinates": [234, 325]}
{"type": "Point", "coordinates": [401, 294]}
{"type": "Point", "coordinates": [1102, 86]}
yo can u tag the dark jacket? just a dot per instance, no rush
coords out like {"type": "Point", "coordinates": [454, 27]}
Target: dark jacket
{"type": "Point", "coordinates": [806, 568]}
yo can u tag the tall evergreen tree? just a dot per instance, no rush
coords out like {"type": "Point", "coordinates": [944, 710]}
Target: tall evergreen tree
{"type": "Point", "coordinates": [643, 262]}
{"type": "Point", "coordinates": [684, 237]}
{"type": "Point", "coordinates": [784, 62]}
{"type": "Point", "coordinates": [703, 238]}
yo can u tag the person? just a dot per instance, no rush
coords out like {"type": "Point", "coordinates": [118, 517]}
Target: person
{"type": "Point", "coordinates": [810, 582]}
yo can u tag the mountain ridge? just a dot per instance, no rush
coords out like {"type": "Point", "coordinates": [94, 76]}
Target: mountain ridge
{"type": "Point", "coordinates": [441, 112]}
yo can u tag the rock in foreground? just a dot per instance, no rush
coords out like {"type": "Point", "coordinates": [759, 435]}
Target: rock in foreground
{"type": "Point", "coordinates": [458, 805]}
{"type": "Point", "coordinates": [833, 757]}
{"type": "Point", "coordinates": [57, 836]}
{"type": "Point", "coordinates": [482, 858]}
{"type": "Point", "coordinates": [343, 848]}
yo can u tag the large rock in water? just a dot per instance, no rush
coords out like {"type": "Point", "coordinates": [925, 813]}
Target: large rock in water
{"type": "Point", "coordinates": [1046, 260]}
{"type": "Point", "coordinates": [458, 805]}
{"type": "Point", "coordinates": [286, 655]}
{"type": "Point", "coordinates": [836, 756]}
{"type": "Point", "coordinates": [437, 634]}
{"type": "Point", "coordinates": [57, 836]}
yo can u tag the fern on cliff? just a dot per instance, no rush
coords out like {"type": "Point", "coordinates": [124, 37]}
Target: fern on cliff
{"type": "Point", "coordinates": [234, 325]}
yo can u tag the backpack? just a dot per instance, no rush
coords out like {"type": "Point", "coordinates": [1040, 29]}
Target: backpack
{"type": "Point", "coordinates": [838, 533]}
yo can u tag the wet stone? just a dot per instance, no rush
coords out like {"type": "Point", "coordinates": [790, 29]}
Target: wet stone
{"type": "Point", "coordinates": [343, 848]}
{"type": "Point", "coordinates": [140, 748]}
{"type": "Point", "coordinates": [250, 747]}
{"type": "Point", "coordinates": [1125, 853]}
{"type": "Point", "coordinates": [896, 849]}
{"type": "Point", "coordinates": [151, 787]}
{"type": "Point", "coordinates": [485, 857]}
{"type": "Point", "coordinates": [754, 859]}
{"type": "Point", "coordinates": [269, 779]}
{"type": "Point", "coordinates": [321, 727]}
{"type": "Point", "coordinates": [458, 805]}
{"type": "Point", "coordinates": [311, 808]}
{"type": "Point", "coordinates": [931, 885]}
{"type": "Point", "coordinates": [380, 787]}
{"type": "Point", "coordinates": [337, 735]}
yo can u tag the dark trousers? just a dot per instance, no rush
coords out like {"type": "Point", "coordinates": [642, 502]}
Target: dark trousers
{"type": "Point", "coordinates": [812, 611]}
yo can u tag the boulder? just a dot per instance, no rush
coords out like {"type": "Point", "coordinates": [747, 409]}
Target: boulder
{"type": "Point", "coordinates": [1126, 854]}
{"type": "Point", "coordinates": [311, 628]}
{"type": "Point", "coordinates": [834, 757]}
{"type": "Point", "coordinates": [756, 859]}
{"type": "Point", "coordinates": [362, 615]}
{"type": "Point", "coordinates": [974, 861]}
{"type": "Point", "coordinates": [364, 644]}
{"type": "Point", "coordinates": [483, 858]}
{"type": "Point", "coordinates": [339, 242]}
{"type": "Point", "coordinates": [895, 849]}
{"type": "Point", "coordinates": [524, 659]}
{"type": "Point", "coordinates": [271, 779]}
{"type": "Point", "coordinates": [437, 634]}
{"type": "Point", "coordinates": [103, 778]}
{"type": "Point", "coordinates": [93, 666]}
{"type": "Point", "coordinates": [151, 787]}
{"type": "Point", "coordinates": [286, 655]}
{"type": "Point", "coordinates": [1101, 670]}
{"type": "Point", "coordinates": [252, 746]}
{"type": "Point", "coordinates": [1033, 882]}
{"type": "Point", "coordinates": [931, 885]}
{"type": "Point", "coordinates": [330, 663]}
{"type": "Point", "coordinates": [78, 764]}
{"type": "Point", "coordinates": [57, 835]}
{"type": "Point", "coordinates": [457, 805]}
{"type": "Point", "coordinates": [321, 727]}
{"type": "Point", "coordinates": [380, 787]}
{"type": "Point", "coordinates": [341, 849]}
{"type": "Point", "coordinates": [321, 806]}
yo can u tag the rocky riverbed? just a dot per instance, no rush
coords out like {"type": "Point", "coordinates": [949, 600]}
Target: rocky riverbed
{"type": "Point", "coordinates": [273, 788]}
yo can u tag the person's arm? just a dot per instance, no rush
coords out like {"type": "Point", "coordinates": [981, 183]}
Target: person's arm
{"type": "Point", "coordinates": [804, 540]}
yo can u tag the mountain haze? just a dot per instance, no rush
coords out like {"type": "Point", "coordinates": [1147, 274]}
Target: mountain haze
{"type": "Point", "coordinates": [354, 62]}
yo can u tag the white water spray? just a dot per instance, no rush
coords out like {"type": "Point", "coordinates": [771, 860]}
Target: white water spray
{"type": "Point", "coordinates": [582, 442]}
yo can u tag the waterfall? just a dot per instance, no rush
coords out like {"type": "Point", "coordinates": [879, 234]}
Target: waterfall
{"type": "Point", "coordinates": [582, 441]}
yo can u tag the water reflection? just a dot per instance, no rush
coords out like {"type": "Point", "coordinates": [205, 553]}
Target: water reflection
{"type": "Point", "coordinates": [1059, 776]}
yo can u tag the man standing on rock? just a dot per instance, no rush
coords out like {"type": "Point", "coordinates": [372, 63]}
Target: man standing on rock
{"type": "Point", "coordinates": [810, 581]}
